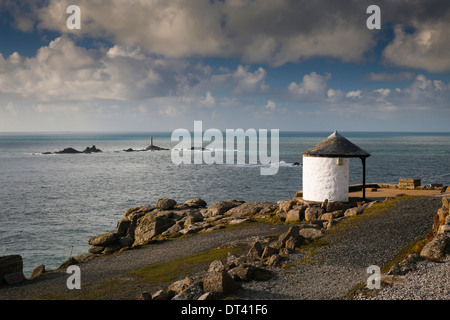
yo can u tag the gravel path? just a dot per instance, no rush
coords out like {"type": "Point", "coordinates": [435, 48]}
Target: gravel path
{"type": "Point", "coordinates": [329, 273]}
{"type": "Point", "coordinates": [352, 247]}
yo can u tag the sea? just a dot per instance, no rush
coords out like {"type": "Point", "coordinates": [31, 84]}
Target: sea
{"type": "Point", "coordinates": [51, 204]}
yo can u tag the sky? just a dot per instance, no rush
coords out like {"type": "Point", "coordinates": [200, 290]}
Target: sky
{"type": "Point", "coordinates": [159, 65]}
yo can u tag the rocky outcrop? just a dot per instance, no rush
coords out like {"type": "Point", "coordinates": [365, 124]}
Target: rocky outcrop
{"type": "Point", "coordinates": [325, 214]}
{"type": "Point", "coordinates": [12, 264]}
{"type": "Point", "coordinates": [169, 219]}
{"type": "Point", "coordinates": [88, 150]}
{"type": "Point", "coordinates": [439, 246]}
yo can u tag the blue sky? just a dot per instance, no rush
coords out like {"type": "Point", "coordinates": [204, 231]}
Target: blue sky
{"type": "Point", "coordinates": [289, 65]}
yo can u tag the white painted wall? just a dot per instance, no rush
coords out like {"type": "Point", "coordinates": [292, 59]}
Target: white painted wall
{"type": "Point", "coordinates": [324, 179]}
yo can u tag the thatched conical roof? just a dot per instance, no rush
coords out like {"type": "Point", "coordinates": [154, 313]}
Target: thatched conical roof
{"type": "Point", "coordinates": [336, 146]}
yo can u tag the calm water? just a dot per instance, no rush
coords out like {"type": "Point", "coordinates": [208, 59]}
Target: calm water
{"type": "Point", "coordinates": [51, 204]}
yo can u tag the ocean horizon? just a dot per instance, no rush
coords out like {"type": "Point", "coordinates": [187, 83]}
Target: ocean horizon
{"type": "Point", "coordinates": [51, 204]}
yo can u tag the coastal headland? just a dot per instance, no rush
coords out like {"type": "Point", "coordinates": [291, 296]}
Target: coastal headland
{"type": "Point", "coordinates": [291, 249]}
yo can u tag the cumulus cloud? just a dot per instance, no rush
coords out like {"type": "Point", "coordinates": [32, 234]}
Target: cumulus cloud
{"type": "Point", "coordinates": [427, 47]}
{"type": "Point", "coordinates": [271, 106]}
{"type": "Point", "coordinates": [255, 31]}
{"type": "Point", "coordinates": [64, 71]}
{"type": "Point", "coordinates": [421, 94]}
{"type": "Point", "coordinates": [247, 82]}
{"type": "Point", "coordinates": [209, 100]}
{"type": "Point", "coordinates": [312, 87]}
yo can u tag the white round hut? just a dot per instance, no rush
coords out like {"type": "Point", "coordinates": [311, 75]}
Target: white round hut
{"type": "Point", "coordinates": [326, 169]}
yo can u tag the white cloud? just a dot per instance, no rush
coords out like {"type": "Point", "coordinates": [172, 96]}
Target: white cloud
{"type": "Point", "coordinates": [270, 106]}
{"type": "Point", "coordinates": [354, 94]}
{"type": "Point", "coordinates": [255, 31]}
{"type": "Point", "coordinates": [426, 48]}
{"type": "Point", "coordinates": [64, 71]}
{"type": "Point", "coordinates": [209, 100]}
{"type": "Point", "coordinates": [247, 82]}
{"type": "Point", "coordinates": [335, 95]}
{"type": "Point", "coordinates": [383, 91]}
{"type": "Point", "coordinates": [312, 87]}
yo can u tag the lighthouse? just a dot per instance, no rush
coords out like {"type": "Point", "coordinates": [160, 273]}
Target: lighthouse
{"type": "Point", "coordinates": [326, 169]}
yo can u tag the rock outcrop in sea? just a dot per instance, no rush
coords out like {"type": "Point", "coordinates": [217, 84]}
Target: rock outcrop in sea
{"type": "Point", "coordinates": [69, 150]}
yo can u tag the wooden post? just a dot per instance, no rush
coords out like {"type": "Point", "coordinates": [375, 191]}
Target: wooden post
{"type": "Point", "coordinates": [363, 159]}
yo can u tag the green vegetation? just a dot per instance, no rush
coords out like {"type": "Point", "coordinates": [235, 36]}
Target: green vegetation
{"type": "Point", "coordinates": [311, 249]}
{"type": "Point", "coordinates": [170, 271]}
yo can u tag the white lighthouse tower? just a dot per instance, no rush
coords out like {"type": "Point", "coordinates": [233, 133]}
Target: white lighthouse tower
{"type": "Point", "coordinates": [326, 169]}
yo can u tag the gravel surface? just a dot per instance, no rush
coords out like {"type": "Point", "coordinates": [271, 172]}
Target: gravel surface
{"type": "Point", "coordinates": [327, 271]}
{"type": "Point", "coordinates": [430, 281]}
{"type": "Point", "coordinates": [353, 246]}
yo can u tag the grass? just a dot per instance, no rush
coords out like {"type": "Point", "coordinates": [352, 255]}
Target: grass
{"type": "Point", "coordinates": [170, 271]}
{"type": "Point", "coordinates": [311, 249]}
{"type": "Point", "coordinates": [151, 277]}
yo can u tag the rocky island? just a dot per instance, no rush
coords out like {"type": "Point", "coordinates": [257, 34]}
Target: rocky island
{"type": "Point", "coordinates": [151, 147]}
{"type": "Point", "coordinates": [88, 150]}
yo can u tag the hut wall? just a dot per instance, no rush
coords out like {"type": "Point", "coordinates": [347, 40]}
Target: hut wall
{"type": "Point", "coordinates": [324, 178]}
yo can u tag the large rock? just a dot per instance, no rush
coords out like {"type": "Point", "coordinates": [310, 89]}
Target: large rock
{"type": "Point", "coordinates": [92, 149]}
{"type": "Point", "coordinates": [111, 248]}
{"type": "Point", "coordinates": [251, 208]}
{"type": "Point", "coordinates": [269, 251]}
{"type": "Point", "coordinates": [10, 264]}
{"type": "Point", "coordinates": [442, 213]}
{"type": "Point", "coordinates": [149, 227]}
{"type": "Point", "coordinates": [285, 205]}
{"type": "Point", "coordinates": [104, 239]}
{"type": "Point", "coordinates": [191, 218]}
{"type": "Point", "coordinates": [311, 233]}
{"type": "Point", "coordinates": [351, 212]}
{"type": "Point", "coordinates": [328, 216]}
{"type": "Point", "coordinates": [220, 207]}
{"type": "Point", "coordinates": [281, 241]}
{"type": "Point", "coordinates": [37, 272]}
{"type": "Point", "coordinates": [294, 242]}
{"type": "Point", "coordinates": [179, 286]}
{"type": "Point", "coordinates": [313, 213]}
{"type": "Point", "coordinates": [138, 211]}
{"type": "Point", "coordinates": [273, 261]}
{"type": "Point", "coordinates": [122, 226]}
{"type": "Point", "coordinates": [335, 206]}
{"type": "Point", "coordinates": [294, 215]}
{"type": "Point", "coordinates": [255, 251]}
{"type": "Point", "coordinates": [216, 266]}
{"type": "Point", "coordinates": [196, 203]}
{"type": "Point", "coordinates": [445, 228]}
{"type": "Point", "coordinates": [166, 204]}
{"type": "Point", "coordinates": [219, 283]}
{"type": "Point", "coordinates": [446, 202]}
{"type": "Point", "coordinates": [193, 292]}
{"type": "Point", "coordinates": [437, 248]}
{"type": "Point", "coordinates": [242, 272]}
